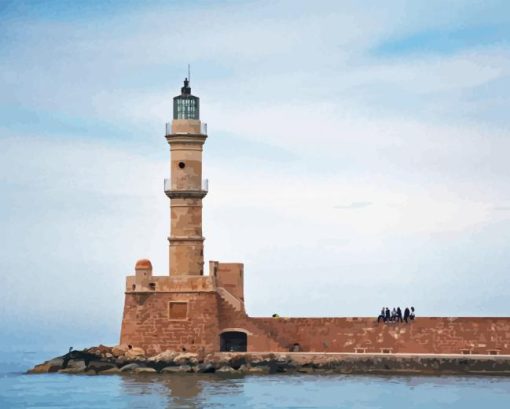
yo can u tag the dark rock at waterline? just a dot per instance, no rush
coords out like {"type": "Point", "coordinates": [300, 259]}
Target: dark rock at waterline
{"type": "Point", "coordinates": [107, 360]}
{"type": "Point", "coordinates": [206, 368]}
{"type": "Point", "coordinates": [53, 365]}
{"type": "Point", "coordinates": [129, 367]}
{"type": "Point", "coordinates": [100, 366]}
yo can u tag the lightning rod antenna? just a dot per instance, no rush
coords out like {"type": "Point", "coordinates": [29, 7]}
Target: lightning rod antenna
{"type": "Point", "coordinates": [189, 73]}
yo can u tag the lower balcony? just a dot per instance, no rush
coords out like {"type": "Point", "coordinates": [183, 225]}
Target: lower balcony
{"type": "Point", "coordinates": [186, 193]}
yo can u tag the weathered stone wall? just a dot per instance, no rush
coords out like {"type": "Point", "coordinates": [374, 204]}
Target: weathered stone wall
{"type": "Point", "coordinates": [424, 335]}
{"type": "Point", "coordinates": [232, 320]}
{"type": "Point", "coordinates": [147, 322]}
{"type": "Point", "coordinates": [230, 276]}
{"type": "Point", "coordinates": [186, 252]}
{"type": "Point", "coordinates": [203, 308]}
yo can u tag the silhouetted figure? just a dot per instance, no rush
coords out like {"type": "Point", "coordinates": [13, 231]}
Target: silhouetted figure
{"type": "Point", "coordinates": [399, 314]}
{"type": "Point", "coordinates": [406, 314]}
{"type": "Point", "coordinates": [412, 315]}
{"type": "Point", "coordinates": [387, 314]}
{"type": "Point", "coordinates": [382, 315]}
{"type": "Point", "coordinates": [394, 314]}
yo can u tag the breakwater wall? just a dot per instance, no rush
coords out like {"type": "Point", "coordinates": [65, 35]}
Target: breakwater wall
{"type": "Point", "coordinates": [106, 360]}
{"type": "Point", "coordinates": [206, 317]}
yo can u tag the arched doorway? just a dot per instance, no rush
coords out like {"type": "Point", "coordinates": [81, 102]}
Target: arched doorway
{"type": "Point", "coordinates": [233, 341]}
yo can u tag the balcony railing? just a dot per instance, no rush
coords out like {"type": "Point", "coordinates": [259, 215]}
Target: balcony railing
{"type": "Point", "coordinates": [168, 128]}
{"type": "Point", "coordinates": [204, 187]}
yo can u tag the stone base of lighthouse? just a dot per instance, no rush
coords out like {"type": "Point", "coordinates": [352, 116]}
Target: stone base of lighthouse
{"type": "Point", "coordinates": [206, 314]}
{"type": "Point", "coordinates": [190, 313]}
{"type": "Point", "coordinates": [186, 320]}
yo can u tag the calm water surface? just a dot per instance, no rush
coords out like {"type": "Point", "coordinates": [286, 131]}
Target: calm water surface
{"type": "Point", "coordinates": [212, 391]}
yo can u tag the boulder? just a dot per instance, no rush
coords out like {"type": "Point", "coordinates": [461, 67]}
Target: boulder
{"type": "Point", "coordinates": [217, 360]}
{"type": "Point", "coordinates": [226, 369]}
{"type": "Point", "coordinates": [280, 358]}
{"type": "Point", "coordinates": [53, 365]}
{"type": "Point", "coordinates": [237, 361]}
{"type": "Point", "coordinates": [100, 350]}
{"type": "Point", "coordinates": [129, 367]}
{"type": "Point", "coordinates": [186, 358]}
{"type": "Point", "coordinates": [205, 368]}
{"type": "Point", "coordinates": [135, 352]}
{"type": "Point", "coordinates": [185, 368]}
{"type": "Point", "coordinates": [170, 369]}
{"type": "Point", "coordinates": [144, 370]}
{"type": "Point", "coordinates": [100, 366]}
{"type": "Point", "coordinates": [177, 369]}
{"type": "Point", "coordinates": [41, 368]}
{"type": "Point", "coordinates": [56, 362]}
{"type": "Point", "coordinates": [119, 350]}
{"type": "Point", "coordinates": [78, 364]}
{"type": "Point", "coordinates": [165, 356]}
{"type": "Point", "coordinates": [111, 371]}
{"type": "Point", "coordinates": [72, 370]}
{"type": "Point", "coordinates": [258, 369]}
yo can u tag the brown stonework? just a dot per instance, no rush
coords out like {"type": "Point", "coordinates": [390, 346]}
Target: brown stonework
{"type": "Point", "coordinates": [186, 251]}
{"type": "Point", "coordinates": [212, 310]}
{"type": "Point", "coordinates": [147, 323]}
{"type": "Point", "coordinates": [229, 276]}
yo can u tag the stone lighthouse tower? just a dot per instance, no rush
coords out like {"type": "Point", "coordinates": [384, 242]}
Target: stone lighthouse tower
{"type": "Point", "coordinates": [182, 311]}
{"type": "Point", "coordinates": [186, 135]}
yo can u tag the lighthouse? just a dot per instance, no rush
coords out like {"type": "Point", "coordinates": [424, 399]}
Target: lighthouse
{"type": "Point", "coordinates": [185, 188]}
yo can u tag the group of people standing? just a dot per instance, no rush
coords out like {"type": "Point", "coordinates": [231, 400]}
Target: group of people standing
{"type": "Point", "coordinates": [395, 315]}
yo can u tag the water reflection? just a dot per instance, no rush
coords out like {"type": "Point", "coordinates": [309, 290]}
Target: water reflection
{"type": "Point", "coordinates": [312, 391]}
{"type": "Point", "coordinates": [269, 391]}
{"type": "Point", "coordinates": [183, 390]}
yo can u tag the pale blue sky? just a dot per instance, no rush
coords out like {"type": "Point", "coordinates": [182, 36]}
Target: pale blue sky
{"type": "Point", "coordinates": [357, 155]}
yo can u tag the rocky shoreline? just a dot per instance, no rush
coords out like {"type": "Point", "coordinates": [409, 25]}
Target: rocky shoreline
{"type": "Point", "coordinates": [103, 360]}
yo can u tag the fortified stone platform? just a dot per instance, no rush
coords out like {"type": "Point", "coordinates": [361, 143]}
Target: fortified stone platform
{"type": "Point", "coordinates": [188, 311]}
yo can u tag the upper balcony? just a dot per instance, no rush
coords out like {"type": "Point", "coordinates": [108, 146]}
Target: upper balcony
{"type": "Point", "coordinates": [186, 128]}
{"type": "Point", "coordinates": [186, 193]}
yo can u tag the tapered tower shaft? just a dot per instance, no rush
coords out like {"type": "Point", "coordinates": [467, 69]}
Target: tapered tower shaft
{"type": "Point", "coordinates": [185, 188]}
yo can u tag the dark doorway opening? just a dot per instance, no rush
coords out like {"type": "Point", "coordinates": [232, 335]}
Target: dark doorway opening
{"type": "Point", "coordinates": [233, 341]}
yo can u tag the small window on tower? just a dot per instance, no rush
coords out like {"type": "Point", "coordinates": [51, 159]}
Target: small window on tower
{"type": "Point", "coordinates": [182, 165]}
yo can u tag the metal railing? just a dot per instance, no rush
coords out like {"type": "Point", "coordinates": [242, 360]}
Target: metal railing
{"type": "Point", "coordinates": [204, 187]}
{"type": "Point", "coordinates": [168, 128]}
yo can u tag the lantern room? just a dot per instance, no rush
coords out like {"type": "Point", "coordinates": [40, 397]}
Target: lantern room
{"type": "Point", "coordinates": [186, 106]}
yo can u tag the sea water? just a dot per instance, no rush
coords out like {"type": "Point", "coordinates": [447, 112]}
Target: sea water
{"type": "Point", "coordinates": [18, 390]}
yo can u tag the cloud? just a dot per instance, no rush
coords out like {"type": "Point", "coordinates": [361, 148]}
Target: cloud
{"type": "Point", "coordinates": [501, 208]}
{"type": "Point", "coordinates": [354, 205]}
